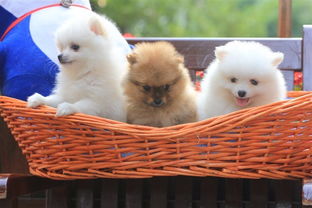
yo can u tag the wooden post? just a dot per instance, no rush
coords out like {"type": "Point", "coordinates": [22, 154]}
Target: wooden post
{"type": "Point", "coordinates": [306, 59]}
{"type": "Point", "coordinates": [284, 18]}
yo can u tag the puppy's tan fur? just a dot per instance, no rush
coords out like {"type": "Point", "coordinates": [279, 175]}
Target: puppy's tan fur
{"type": "Point", "coordinates": [157, 75]}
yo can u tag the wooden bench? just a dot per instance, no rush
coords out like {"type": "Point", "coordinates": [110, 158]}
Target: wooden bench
{"type": "Point", "coordinates": [169, 192]}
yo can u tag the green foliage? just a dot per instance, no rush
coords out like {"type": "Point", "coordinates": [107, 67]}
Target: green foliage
{"type": "Point", "coordinates": [202, 18]}
{"type": "Point", "coordinates": [301, 12]}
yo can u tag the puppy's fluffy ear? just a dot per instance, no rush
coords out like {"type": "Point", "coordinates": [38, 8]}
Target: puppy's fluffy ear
{"type": "Point", "coordinates": [96, 26]}
{"type": "Point", "coordinates": [278, 57]}
{"type": "Point", "coordinates": [220, 52]}
{"type": "Point", "coordinates": [180, 58]}
{"type": "Point", "coordinates": [132, 59]}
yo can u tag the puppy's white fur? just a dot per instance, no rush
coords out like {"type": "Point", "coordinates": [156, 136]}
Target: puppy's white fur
{"type": "Point", "coordinates": [238, 63]}
{"type": "Point", "coordinates": [92, 67]}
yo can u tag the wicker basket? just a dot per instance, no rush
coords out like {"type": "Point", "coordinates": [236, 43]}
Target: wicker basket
{"type": "Point", "coordinates": [271, 141]}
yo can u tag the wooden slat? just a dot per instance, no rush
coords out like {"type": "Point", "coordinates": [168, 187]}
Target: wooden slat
{"type": "Point", "coordinates": [8, 203]}
{"type": "Point", "coordinates": [199, 52]}
{"type": "Point", "coordinates": [183, 192]}
{"type": "Point", "coordinates": [209, 192]}
{"type": "Point", "coordinates": [289, 77]}
{"type": "Point", "coordinates": [57, 197]}
{"type": "Point", "coordinates": [158, 191]}
{"type": "Point", "coordinates": [259, 193]}
{"type": "Point", "coordinates": [31, 203]}
{"type": "Point", "coordinates": [109, 193]}
{"type": "Point", "coordinates": [13, 185]}
{"type": "Point", "coordinates": [307, 60]}
{"type": "Point", "coordinates": [85, 196]}
{"type": "Point", "coordinates": [283, 190]}
{"type": "Point", "coordinates": [233, 193]}
{"type": "Point", "coordinates": [134, 193]}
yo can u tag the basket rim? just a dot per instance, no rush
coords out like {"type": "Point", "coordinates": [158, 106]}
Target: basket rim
{"type": "Point", "coordinates": [240, 116]}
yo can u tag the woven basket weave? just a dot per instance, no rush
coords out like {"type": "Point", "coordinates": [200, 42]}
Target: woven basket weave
{"type": "Point", "coordinates": [271, 141]}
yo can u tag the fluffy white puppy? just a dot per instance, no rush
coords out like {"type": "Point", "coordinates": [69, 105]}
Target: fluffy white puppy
{"type": "Point", "coordinates": [92, 66]}
{"type": "Point", "coordinates": [244, 74]}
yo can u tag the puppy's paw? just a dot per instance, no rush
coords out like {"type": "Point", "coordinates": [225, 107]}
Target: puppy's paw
{"type": "Point", "coordinates": [64, 109]}
{"type": "Point", "coordinates": [35, 100]}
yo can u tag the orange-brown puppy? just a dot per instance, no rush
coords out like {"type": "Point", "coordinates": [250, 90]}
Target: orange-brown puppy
{"type": "Point", "coordinates": [158, 87]}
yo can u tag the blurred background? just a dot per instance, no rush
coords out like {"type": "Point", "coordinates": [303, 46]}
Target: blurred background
{"type": "Point", "coordinates": [203, 18]}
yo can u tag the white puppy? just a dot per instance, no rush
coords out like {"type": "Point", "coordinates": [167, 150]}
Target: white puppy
{"type": "Point", "coordinates": [244, 74]}
{"type": "Point", "coordinates": [92, 66]}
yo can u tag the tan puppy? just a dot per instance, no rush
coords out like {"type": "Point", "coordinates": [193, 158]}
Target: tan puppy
{"type": "Point", "coordinates": [158, 87]}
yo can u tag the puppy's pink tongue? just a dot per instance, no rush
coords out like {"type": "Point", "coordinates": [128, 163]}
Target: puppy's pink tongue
{"type": "Point", "coordinates": [242, 102]}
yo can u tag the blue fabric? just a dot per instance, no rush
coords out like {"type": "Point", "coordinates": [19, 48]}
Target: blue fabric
{"type": "Point", "coordinates": [24, 72]}
{"type": "Point", "coordinates": [6, 18]}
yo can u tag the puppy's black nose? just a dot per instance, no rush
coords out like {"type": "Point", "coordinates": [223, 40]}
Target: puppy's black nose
{"type": "Point", "coordinates": [241, 93]}
{"type": "Point", "coordinates": [60, 58]}
{"type": "Point", "coordinates": [157, 102]}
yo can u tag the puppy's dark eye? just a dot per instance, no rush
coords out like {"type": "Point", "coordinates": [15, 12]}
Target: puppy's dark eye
{"type": "Point", "coordinates": [233, 80]}
{"type": "Point", "coordinates": [75, 47]}
{"type": "Point", "coordinates": [146, 88]}
{"type": "Point", "coordinates": [254, 82]}
{"type": "Point", "coordinates": [166, 87]}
